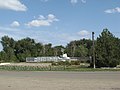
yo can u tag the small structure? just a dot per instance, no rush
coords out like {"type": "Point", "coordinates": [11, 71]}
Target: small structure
{"type": "Point", "coordinates": [42, 59]}
{"type": "Point", "coordinates": [63, 57]}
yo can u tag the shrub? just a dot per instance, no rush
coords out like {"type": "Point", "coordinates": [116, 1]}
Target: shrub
{"type": "Point", "coordinates": [75, 62]}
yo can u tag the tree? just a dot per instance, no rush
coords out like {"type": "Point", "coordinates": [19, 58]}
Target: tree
{"type": "Point", "coordinates": [3, 56]}
{"type": "Point", "coordinates": [25, 48]}
{"type": "Point", "coordinates": [117, 49]}
{"type": "Point", "coordinates": [8, 48]}
{"type": "Point", "coordinates": [78, 47]}
{"type": "Point", "coordinates": [39, 48]}
{"type": "Point", "coordinates": [81, 51]}
{"type": "Point", "coordinates": [106, 50]}
{"type": "Point", "coordinates": [57, 50]}
{"type": "Point", "coordinates": [48, 50]}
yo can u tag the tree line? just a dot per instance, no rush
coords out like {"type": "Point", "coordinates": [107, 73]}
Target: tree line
{"type": "Point", "coordinates": [106, 49]}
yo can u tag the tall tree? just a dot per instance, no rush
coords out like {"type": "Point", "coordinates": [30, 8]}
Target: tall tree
{"type": "Point", "coordinates": [39, 48]}
{"type": "Point", "coordinates": [25, 48]}
{"type": "Point", "coordinates": [9, 48]}
{"type": "Point", "coordinates": [48, 50]}
{"type": "Point", "coordinates": [81, 51]}
{"type": "Point", "coordinates": [106, 50]}
{"type": "Point", "coordinates": [3, 57]}
{"type": "Point", "coordinates": [75, 48]}
{"type": "Point", "coordinates": [58, 50]}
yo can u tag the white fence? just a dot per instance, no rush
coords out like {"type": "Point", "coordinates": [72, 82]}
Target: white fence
{"type": "Point", "coordinates": [55, 59]}
{"type": "Point", "coordinates": [42, 59]}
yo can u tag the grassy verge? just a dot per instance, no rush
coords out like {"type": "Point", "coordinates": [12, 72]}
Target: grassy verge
{"type": "Point", "coordinates": [31, 68]}
{"type": "Point", "coordinates": [53, 68]}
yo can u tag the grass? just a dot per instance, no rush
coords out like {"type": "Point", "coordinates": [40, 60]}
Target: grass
{"type": "Point", "coordinates": [32, 68]}
{"type": "Point", "coordinates": [53, 68]}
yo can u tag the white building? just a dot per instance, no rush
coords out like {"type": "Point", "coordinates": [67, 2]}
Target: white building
{"type": "Point", "coordinates": [63, 57]}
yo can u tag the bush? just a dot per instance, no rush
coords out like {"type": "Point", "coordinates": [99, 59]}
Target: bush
{"type": "Point", "coordinates": [63, 63]}
{"type": "Point", "coordinates": [66, 63]}
{"type": "Point", "coordinates": [75, 62]}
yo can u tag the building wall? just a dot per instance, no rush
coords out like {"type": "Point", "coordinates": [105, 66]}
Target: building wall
{"type": "Point", "coordinates": [55, 59]}
{"type": "Point", "coordinates": [42, 59]}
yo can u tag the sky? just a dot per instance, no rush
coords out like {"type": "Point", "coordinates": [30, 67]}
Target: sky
{"type": "Point", "coordinates": [58, 21]}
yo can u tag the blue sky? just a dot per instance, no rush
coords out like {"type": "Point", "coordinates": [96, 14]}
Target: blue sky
{"type": "Point", "coordinates": [58, 21]}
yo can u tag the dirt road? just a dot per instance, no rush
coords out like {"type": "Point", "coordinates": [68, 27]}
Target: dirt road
{"type": "Point", "coordinates": [10, 80]}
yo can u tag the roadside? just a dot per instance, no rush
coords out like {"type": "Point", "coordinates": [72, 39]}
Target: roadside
{"type": "Point", "coordinates": [49, 67]}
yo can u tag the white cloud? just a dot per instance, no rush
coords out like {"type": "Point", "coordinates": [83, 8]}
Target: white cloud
{"type": "Point", "coordinates": [15, 24]}
{"type": "Point", "coordinates": [15, 5]}
{"type": "Point", "coordinates": [83, 1]}
{"type": "Point", "coordinates": [44, 0]}
{"type": "Point", "coordinates": [114, 10]}
{"type": "Point", "coordinates": [52, 18]}
{"type": "Point", "coordinates": [43, 36]}
{"type": "Point", "coordinates": [38, 23]}
{"type": "Point", "coordinates": [83, 33]}
{"type": "Point", "coordinates": [76, 1]}
{"type": "Point", "coordinates": [42, 21]}
{"type": "Point", "coordinates": [41, 17]}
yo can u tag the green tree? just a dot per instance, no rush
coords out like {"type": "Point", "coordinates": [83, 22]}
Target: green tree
{"type": "Point", "coordinates": [25, 48]}
{"type": "Point", "coordinates": [78, 47]}
{"type": "Point", "coordinates": [106, 50]}
{"type": "Point", "coordinates": [3, 56]}
{"type": "Point", "coordinates": [58, 50]}
{"type": "Point", "coordinates": [39, 48]}
{"type": "Point", "coordinates": [9, 48]}
{"type": "Point", "coordinates": [48, 50]}
{"type": "Point", "coordinates": [81, 51]}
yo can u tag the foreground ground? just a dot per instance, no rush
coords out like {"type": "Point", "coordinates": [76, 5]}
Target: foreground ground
{"type": "Point", "coordinates": [12, 80]}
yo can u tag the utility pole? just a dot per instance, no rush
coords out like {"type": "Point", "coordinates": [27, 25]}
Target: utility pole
{"type": "Point", "coordinates": [93, 49]}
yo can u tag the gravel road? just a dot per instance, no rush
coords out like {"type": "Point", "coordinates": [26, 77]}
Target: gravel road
{"type": "Point", "coordinates": [12, 80]}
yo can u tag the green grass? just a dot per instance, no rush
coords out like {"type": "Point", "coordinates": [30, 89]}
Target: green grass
{"type": "Point", "coordinates": [53, 68]}
{"type": "Point", "coordinates": [31, 68]}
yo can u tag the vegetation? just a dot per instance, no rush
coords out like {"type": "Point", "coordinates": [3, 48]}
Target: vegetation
{"type": "Point", "coordinates": [17, 51]}
{"type": "Point", "coordinates": [106, 49]}
{"type": "Point", "coordinates": [53, 68]}
{"type": "Point", "coordinates": [79, 48]}
{"type": "Point", "coordinates": [66, 63]}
